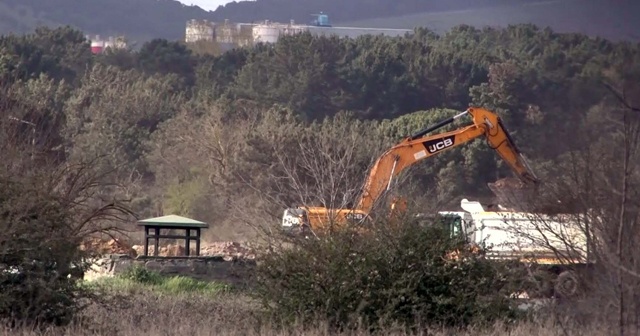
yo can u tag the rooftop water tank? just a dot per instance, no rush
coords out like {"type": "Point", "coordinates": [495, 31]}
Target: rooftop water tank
{"type": "Point", "coordinates": [266, 33]}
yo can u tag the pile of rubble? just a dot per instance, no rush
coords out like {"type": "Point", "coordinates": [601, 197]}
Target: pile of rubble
{"type": "Point", "coordinates": [170, 250]}
{"type": "Point", "coordinates": [234, 249]}
{"type": "Point", "coordinates": [229, 250]}
{"type": "Point", "coordinates": [107, 246]}
{"type": "Point", "coordinates": [112, 246]}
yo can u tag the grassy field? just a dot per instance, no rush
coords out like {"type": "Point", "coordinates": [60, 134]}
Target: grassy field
{"type": "Point", "coordinates": [614, 20]}
{"type": "Point", "coordinates": [144, 303]}
{"type": "Point", "coordinates": [139, 281]}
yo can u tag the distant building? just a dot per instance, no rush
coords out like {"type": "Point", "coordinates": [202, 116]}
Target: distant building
{"type": "Point", "coordinates": [229, 34]}
{"type": "Point", "coordinates": [99, 45]}
{"type": "Point", "coordinates": [269, 32]}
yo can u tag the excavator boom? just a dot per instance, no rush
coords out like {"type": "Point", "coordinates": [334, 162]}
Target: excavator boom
{"type": "Point", "coordinates": [416, 148]}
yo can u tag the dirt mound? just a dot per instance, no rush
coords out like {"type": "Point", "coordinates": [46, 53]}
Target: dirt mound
{"type": "Point", "coordinates": [235, 249]}
{"type": "Point", "coordinates": [227, 249]}
{"type": "Point", "coordinates": [170, 250]}
{"type": "Point", "coordinates": [103, 246]}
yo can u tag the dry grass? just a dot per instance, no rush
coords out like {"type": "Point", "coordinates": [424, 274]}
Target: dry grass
{"type": "Point", "coordinates": [152, 313]}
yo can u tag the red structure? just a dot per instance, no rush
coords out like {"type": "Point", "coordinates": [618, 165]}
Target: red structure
{"type": "Point", "coordinates": [99, 45]}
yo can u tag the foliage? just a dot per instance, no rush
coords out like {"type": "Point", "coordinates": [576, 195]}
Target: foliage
{"type": "Point", "coordinates": [45, 215]}
{"type": "Point", "coordinates": [34, 283]}
{"type": "Point", "coordinates": [402, 274]}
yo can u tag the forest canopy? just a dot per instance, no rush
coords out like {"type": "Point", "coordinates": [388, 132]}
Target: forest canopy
{"type": "Point", "coordinates": [197, 134]}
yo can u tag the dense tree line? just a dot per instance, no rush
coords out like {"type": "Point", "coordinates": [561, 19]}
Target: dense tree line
{"type": "Point", "coordinates": [138, 105]}
{"type": "Point", "coordinates": [234, 138]}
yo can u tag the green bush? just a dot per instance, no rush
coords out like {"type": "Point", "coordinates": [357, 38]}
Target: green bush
{"type": "Point", "coordinates": [392, 274]}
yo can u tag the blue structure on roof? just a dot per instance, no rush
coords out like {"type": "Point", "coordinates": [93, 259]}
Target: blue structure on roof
{"type": "Point", "coordinates": [321, 21]}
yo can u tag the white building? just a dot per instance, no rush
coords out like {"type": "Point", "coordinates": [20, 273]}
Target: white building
{"type": "Point", "coordinates": [269, 32]}
{"type": "Point", "coordinates": [241, 34]}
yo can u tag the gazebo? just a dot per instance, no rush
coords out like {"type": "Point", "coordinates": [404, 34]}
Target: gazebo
{"type": "Point", "coordinates": [171, 222]}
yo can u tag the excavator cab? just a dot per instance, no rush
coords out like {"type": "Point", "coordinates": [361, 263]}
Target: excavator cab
{"type": "Point", "coordinates": [302, 219]}
{"type": "Point", "coordinates": [294, 220]}
{"type": "Point", "coordinates": [451, 222]}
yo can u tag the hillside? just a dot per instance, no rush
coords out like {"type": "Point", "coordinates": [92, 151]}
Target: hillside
{"type": "Point", "coordinates": [302, 10]}
{"type": "Point", "coordinates": [609, 19]}
{"type": "Point", "coordinates": [142, 20]}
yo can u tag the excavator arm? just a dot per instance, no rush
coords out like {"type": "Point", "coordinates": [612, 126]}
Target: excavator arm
{"type": "Point", "coordinates": [417, 147]}
{"type": "Point", "coordinates": [409, 151]}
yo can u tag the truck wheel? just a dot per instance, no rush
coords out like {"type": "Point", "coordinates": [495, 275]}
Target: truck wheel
{"type": "Point", "coordinates": [541, 285]}
{"type": "Point", "coordinates": [567, 284]}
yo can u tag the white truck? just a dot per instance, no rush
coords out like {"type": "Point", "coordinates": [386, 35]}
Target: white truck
{"type": "Point", "coordinates": [553, 248]}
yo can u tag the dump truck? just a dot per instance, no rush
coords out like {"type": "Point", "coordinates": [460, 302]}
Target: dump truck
{"type": "Point", "coordinates": [552, 248]}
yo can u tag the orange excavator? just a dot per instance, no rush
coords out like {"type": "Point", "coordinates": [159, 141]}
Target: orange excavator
{"type": "Point", "coordinates": [409, 151]}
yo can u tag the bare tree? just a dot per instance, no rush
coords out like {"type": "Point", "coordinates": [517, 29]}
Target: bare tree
{"type": "Point", "coordinates": [588, 208]}
{"type": "Point", "coordinates": [324, 164]}
{"type": "Point", "coordinates": [48, 209]}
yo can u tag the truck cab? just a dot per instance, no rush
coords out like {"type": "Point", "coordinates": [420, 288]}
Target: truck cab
{"type": "Point", "coordinates": [458, 223]}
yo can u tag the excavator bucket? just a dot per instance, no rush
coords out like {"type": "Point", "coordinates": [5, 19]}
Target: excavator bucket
{"type": "Point", "coordinates": [513, 193]}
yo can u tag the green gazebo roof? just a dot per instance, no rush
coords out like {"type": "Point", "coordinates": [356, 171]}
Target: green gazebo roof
{"type": "Point", "coordinates": [173, 221]}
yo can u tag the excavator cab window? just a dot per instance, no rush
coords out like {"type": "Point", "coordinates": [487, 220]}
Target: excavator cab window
{"type": "Point", "coordinates": [452, 223]}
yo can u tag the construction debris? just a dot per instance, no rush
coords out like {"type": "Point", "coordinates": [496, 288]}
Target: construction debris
{"type": "Point", "coordinates": [229, 249]}
{"type": "Point", "coordinates": [107, 246]}
{"type": "Point", "coordinates": [226, 249]}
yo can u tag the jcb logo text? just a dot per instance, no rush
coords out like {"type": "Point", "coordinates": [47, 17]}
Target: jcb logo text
{"type": "Point", "coordinates": [439, 145]}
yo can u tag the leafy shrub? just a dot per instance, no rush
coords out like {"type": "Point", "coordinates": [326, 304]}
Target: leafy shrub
{"type": "Point", "coordinates": [46, 211]}
{"type": "Point", "coordinates": [392, 274]}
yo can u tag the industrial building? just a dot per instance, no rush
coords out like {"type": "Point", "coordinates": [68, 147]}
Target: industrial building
{"type": "Point", "coordinates": [199, 30]}
{"type": "Point", "coordinates": [239, 34]}
{"type": "Point", "coordinates": [99, 45]}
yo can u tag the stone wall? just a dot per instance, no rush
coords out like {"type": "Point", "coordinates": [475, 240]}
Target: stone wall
{"type": "Point", "coordinates": [210, 268]}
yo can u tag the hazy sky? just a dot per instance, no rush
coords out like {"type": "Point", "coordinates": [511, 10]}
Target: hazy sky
{"type": "Point", "coordinates": [206, 4]}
